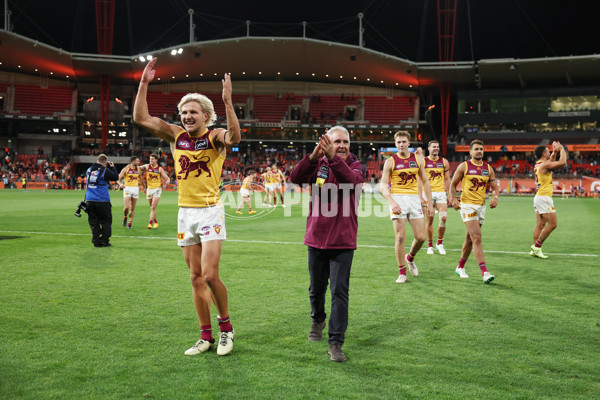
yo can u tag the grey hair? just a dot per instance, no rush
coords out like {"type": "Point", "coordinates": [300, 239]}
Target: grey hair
{"type": "Point", "coordinates": [337, 128]}
{"type": "Point", "coordinates": [205, 103]}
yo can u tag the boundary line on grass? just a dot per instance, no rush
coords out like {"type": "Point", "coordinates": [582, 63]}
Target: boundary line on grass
{"type": "Point", "coordinates": [293, 243]}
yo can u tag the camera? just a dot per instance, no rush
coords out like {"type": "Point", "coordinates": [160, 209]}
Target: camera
{"type": "Point", "coordinates": [81, 206]}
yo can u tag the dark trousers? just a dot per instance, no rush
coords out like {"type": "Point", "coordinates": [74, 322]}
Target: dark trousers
{"type": "Point", "coordinates": [333, 266]}
{"type": "Point", "coordinates": [100, 220]}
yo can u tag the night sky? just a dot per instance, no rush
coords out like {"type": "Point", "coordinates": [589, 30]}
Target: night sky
{"type": "Point", "coordinates": [407, 29]}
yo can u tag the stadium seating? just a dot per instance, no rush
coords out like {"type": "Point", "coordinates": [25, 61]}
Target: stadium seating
{"type": "Point", "coordinates": [270, 108]}
{"type": "Point", "coordinates": [381, 110]}
{"type": "Point", "coordinates": [34, 100]}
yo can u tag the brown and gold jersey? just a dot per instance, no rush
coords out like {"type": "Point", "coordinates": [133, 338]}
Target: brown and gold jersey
{"type": "Point", "coordinates": [153, 177]}
{"type": "Point", "coordinates": [132, 177]}
{"type": "Point", "coordinates": [247, 182]}
{"type": "Point", "coordinates": [435, 173]}
{"type": "Point", "coordinates": [545, 186]}
{"type": "Point", "coordinates": [475, 183]}
{"type": "Point", "coordinates": [404, 175]}
{"type": "Point", "coordinates": [198, 167]}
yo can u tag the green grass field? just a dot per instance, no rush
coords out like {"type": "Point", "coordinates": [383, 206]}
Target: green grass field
{"type": "Point", "coordinates": [112, 323]}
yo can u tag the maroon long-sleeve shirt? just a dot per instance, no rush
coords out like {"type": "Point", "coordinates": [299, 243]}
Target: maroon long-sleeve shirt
{"type": "Point", "coordinates": [332, 222]}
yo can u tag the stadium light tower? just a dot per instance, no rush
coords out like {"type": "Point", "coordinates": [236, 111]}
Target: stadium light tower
{"type": "Point", "coordinates": [6, 16]}
{"type": "Point", "coordinates": [361, 30]}
{"type": "Point", "coordinates": [192, 26]}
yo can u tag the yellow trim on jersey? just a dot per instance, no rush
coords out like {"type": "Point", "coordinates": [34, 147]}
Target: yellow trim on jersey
{"type": "Point", "coordinates": [475, 183]}
{"type": "Point", "coordinates": [132, 179]}
{"type": "Point", "coordinates": [404, 180]}
{"type": "Point", "coordinates": [153, 177]}
{"type": "Point", "coordinates": [544, 181]}
{"type": "Point", "coordinates": [246, 183]}
{"type": "Point", "coordinates": [198, 171]}
{"type": "Point", "coordinates": [436, 175]}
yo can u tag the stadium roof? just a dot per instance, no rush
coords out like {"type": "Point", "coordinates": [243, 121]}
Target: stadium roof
{"type": "Point", "coordinates": [517, 45]}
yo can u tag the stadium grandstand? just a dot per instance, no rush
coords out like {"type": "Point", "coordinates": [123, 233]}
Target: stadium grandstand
{"type": "Point", "coordinates": [59, 108]}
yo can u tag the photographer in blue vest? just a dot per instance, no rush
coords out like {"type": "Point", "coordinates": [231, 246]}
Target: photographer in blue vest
{"type": "Point", "coordinates": [97, 200]}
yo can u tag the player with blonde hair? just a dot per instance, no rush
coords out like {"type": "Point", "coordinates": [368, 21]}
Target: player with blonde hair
{"type": "Point", "coordinates": [199, 154]}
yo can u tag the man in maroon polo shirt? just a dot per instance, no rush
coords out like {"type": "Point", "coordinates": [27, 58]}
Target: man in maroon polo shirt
{"type": "Point", "coordinates": [336, 178]}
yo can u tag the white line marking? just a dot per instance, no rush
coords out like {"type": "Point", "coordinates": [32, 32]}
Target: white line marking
{"type": "Point", "coordinates": [371, 246]}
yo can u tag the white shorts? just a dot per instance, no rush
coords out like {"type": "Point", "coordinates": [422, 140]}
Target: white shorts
{"type": "Point", "coordinates": [410, 206]}
{"type": "Point", "coordinates": [201, 224]}
{"type": "Point", "coordinates": [131, 191]}
{"type": "Point", "coordinates": [472, 212]}
{"type": "Point", "coordinates": [244, 192]}
{"type": "Point", "coordinates": [543, 204]}
{"type": "Point", "coordinates": [151, 193]}
{"type": "Point", "coordinates": [438, 198]}
{"type": "Point", "coordinates": [276, 186]}
{"type": "Point", "coordinates": [269, 188]}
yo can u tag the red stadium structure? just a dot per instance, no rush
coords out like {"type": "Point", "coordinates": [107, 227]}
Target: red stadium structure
{"type": "Point", "coordinates": [288, 90]}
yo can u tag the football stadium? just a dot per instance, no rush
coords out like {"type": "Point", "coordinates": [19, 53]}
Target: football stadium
{"type": "Point", "coordinates": [258, 179]}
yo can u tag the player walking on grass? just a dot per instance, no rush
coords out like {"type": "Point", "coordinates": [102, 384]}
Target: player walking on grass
{"type": "Point", "coordinates": [269, 199]}
{"type": "Point", "coordinates": [245, 191]}
{"type": "Point", "coordinates": [438, 172]}
{"type": "Point", "coordinates": [131, 188]}
{"type": "Point", "coordinates": [278, 184]}
{"type": "Point", "coordinates": [199, 154]}
{"type": "Point", "coordinates": [400, 187]}
{"type": "Point", "coordinates": [476, 175]}
{"type": "Point", "coordinates": [155, 178]}
{"type": "Point", "coordinates": [545, 213]}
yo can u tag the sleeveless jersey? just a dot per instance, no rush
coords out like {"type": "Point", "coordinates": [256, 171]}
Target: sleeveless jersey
{"type": "Point", "coordinates": [475, 183]}
{"type": "Point", "coordinates": [435, 173]}
{"type": "Point", "coordinates": [275, 177]}
{"type": "Point", "coordinates": [198, 167]}
{"type": "Point", "coordinates": [153, 177]}
{"type": "Point", "coordinates": [545, 187]}
{"type": "Point", "coordinates": [246, 183]}
{"type": "Point", "coordinates": [268, 178]}
{"type": "Point", "coordinates": [132, 177]}
{"type": "Point", "coordinates": [405, 175]}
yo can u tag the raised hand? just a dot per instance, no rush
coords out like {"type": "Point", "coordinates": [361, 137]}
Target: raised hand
{"type": "Point", "coordinates": [149, 71]}
{"type": "Point", "coordinates": [227, 90]}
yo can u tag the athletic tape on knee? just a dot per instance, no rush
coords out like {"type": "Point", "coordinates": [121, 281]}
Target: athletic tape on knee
{"type": "Point", "coordinates": [443, 215]}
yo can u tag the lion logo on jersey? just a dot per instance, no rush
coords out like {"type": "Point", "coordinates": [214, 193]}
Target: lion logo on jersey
{"type": "Point", "coordinates": [188, 166]}
{"type": "Point", "coordinates": [152, 177]}
{"type": "Point", "coordinates": [434, 175]}
{"type": "Point", "coordinates": [406, 178]}
{"type": "Point", "coordinates": [476, 184]}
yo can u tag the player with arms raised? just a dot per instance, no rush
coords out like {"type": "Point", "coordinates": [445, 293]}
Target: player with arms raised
{"type": "Point", "coordinates": [199, 154]}
{"type": "Point", "coordinates": [545, 213]}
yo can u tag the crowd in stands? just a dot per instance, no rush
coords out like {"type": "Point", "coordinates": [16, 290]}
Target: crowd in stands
{"type": "Point", "coordinates": [34, 168]}
{"type": "Point", "coordinates": [39, 168]}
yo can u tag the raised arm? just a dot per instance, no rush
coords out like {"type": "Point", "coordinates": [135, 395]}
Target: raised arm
{"type": "Point", "coordinates": [142, 117]}
{"type": "Point", "coordinates": [558, 158]}
{"type": "Point", "coordinates": [232, 135]}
